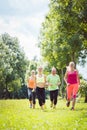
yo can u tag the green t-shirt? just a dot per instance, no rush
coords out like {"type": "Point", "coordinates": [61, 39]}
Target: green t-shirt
{"type": "Point", "coordinates": [53, 80]}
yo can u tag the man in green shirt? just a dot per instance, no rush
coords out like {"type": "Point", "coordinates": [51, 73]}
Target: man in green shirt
{"type": "Point", "coordinates": [53, 81]}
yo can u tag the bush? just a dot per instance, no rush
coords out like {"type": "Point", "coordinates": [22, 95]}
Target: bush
{"type": "Point", "coordinates": [83, 89]}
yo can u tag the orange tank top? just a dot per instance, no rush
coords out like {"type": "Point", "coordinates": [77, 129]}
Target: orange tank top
{"type": "Point", "coordinates": [31, 83]}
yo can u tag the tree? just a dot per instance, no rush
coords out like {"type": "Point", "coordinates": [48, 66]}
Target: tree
{"type": "Point", "coordinates": [13, 64]}
{"type": "Point", "coordinates": [61, 39]}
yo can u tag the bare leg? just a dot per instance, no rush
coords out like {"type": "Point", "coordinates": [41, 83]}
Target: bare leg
{"type": "Point", "coordinates": [54, 106]}
{"type": "Point", "coordinates": [51, 104]}
{"type": "Point", "coordinates": [42, 107]}
{"type": "Point", "coordinates": [33, 106]}
{"type": "Point", "coordinates": [73, 103]}
{"type": "Point", "coordinates": [30, 104]}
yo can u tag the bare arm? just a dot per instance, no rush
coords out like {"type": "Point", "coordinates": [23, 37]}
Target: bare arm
{"type": "Point", "coordinates": [78, 78]}
{"type": "Point", "coordinates": [65, 78]}
{"type": "Point", "coordinates": [46, 83]}
{"type": "Point", "coordinates": [35, 81]}
{"type": "Point", "coordinates": [59, 83]}
{"type": "Point", "coordinates": [28, 82]}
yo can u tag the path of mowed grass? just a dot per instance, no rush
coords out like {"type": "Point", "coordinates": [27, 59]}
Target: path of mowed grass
{"type": "Point", "coordinates": [16, 115]}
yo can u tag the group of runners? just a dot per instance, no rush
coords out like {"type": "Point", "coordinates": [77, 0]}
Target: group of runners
{"type": "Point", "coordinates": [37, 83]}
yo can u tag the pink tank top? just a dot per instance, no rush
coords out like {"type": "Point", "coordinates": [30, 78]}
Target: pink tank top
{"type": "Point", "coordinates": [72, 77]}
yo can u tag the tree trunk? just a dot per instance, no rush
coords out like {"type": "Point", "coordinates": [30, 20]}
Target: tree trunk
{"type": "Point", "coordinates": [62, 84]}
{"type": "Point", "coordinates": [6, 94]}
{"type": "Point", "coordinates": [85, 98]}
{"type": "Point", "coordinates": [73, 58]}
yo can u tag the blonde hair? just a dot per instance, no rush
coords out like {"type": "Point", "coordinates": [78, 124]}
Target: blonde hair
{"type": "Point", "coordinates": [53, 68]}
{"type": "Point", "coordinates": [72, 64]}
{"type": "Point", "coordinates": [33, 71]}
{"type": "Point", "coordinates": [40, 67]}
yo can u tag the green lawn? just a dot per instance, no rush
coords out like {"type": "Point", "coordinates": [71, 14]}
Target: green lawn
{"type": "Point", "coordinates": [16, 115]}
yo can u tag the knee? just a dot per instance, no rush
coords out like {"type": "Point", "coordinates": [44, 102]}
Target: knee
{"type": "Point", "coordinates": [74, 96]}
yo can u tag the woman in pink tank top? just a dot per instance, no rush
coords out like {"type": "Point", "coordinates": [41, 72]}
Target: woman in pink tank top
{"type": "Point", "coordinates": [72, 80]}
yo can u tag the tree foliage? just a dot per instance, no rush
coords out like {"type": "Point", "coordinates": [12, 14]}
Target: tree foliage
{"type": "Point", "coordinates": [83, 89]}
{"type": "Point", "coordinates": [64, 32]}
{"type": "Point", "coordinates": [13, 64]}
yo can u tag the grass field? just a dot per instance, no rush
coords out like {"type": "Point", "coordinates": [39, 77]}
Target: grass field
{"type": "Point", "coordinates": [16, 115]}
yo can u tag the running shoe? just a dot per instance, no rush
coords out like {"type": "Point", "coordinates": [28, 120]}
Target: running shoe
{"type": "Point", "coordinates": [30, 105]}
{"type": "Point", "coordinates": [51, 105]}
{"type": "Point", "coordinates": [54, 107]}
{"type": "Point", "coordinates": [72, 109]}
{"type": "Point", "coordinates": [68, 103]}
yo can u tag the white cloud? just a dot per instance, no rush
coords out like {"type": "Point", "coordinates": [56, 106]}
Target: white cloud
{"type": "Point", "coordinates": [26, 27]}
{"type": "Point", "coordinates": [8, 24]}
{"type": "Point", "coordinates": [29, 44]}
{"type": "Point", "coordinates": [27, 40]}
{"type": "Point", "coordinates": [83, 70]}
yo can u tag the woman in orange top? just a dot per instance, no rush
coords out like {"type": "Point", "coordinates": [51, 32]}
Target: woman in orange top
{"type": "Point", "coordinates": [31, 89]}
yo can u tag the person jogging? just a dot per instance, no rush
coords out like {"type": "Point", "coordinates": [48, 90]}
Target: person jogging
{"type": "Point", "coordinates": [53, 81]}
{"type": "Point", "coordinates": [31, 89]}
{"type": "Point", "coordinates": [72, 81]}
{"type": "Point", "coordinates": [40, 89]}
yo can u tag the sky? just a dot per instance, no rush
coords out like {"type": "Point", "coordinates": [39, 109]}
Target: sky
{"type": "Point", "coordinates": [23, 19]}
